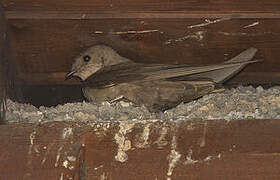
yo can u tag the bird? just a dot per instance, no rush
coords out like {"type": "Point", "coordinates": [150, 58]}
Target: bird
{"type": "Point", "coordinates": [108, 76]}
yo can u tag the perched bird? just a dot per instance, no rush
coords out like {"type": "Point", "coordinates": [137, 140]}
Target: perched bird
{"type": "Point", "coordinates": [107, 76]}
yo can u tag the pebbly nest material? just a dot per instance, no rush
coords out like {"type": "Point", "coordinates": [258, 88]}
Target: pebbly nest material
{"type": "Point", "coordinates": [232, 104]}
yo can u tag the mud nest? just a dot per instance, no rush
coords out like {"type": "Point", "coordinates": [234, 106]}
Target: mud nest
{"type": "Point", "coordinates": [232, 104]}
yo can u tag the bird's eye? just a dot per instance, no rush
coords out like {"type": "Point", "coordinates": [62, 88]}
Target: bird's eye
{"type": "Point", "coordinates": [86, 58]}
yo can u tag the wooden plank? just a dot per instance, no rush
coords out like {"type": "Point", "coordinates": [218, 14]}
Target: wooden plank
{"type": "Point", "coordinates": [49, 46]}
{"type": "Point", "coordinates": [185, 150]}
{"type": "Point", "coordinates": [50, 151]}
{"type": "Point", "coordinates": [144, 5]}
{"type": "Point", "coordinates": [215, 149]}
{"type": "Point", "coordinates": [139, 15]}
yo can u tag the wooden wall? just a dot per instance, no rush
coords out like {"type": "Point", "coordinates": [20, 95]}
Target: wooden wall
{"type": "Point", "coordinates": [47, 35]}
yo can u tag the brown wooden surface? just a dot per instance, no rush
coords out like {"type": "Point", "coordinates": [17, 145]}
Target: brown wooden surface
{"type": "Point", "coordinates": [144, 5]}
{"type": "Point", "coordinates": [49, 49]}
{"type": "Point", "coordinates": [196, 150]}
{"type": "Point", "coordinates": [47, 35]}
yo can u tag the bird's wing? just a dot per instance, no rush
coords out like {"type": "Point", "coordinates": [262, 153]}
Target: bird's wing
{"type": "Point", "coordinates": [222, 75]}
{"type": "Point", "coordinates": [137, 72]}
{"type": "Point", "coordinates": [125, 72]}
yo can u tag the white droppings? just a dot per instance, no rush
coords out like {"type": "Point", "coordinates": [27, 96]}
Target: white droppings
{"type": "Point", "coordinates": [36, 148]}
{"type": "Point", "coordinates": [32, 137]}
{"type": "Point", "coordinates": [143, 141]}
{"type": "Point", "coordinates": [208, 22]}
{"type": "Point", "coordinates": [58, 156]}
{"type": "Point", "coordinates": [208, 158]}
{"type": "Point", "coordinates": [189, 159]}
{"type": "Point", "coordinates": [65, 164]}
{"type": "Point", "coordinates": [161, 141]}
{"type": "Point", "coordinates": [199, 36]}
{"type": "Point", "coordinates": [98, 167]}
{"type": "Point", "coordinates": [203, 138]}
{"type": "Point", "coordinates": [71, 158]}
{"type": "Point", "coordinates": [98, 32]}
{"type": "Point", "coordinates": [251, 25]}
{"type": "Point", "coordinates": [124, 104]}
{"type": "Point", "coordinates": [61, 176]}
{"type": "Point", "coordinates": [244, 34]}
{"type": "Point", "coordinates": [46, 153]}
{"type": "Point", "coordinates": [173, 157]}
{"type": "Point", "coordinates": [123, 143]}
{"type": "Point", "coordinates": [129, 32]}
{"type": "Point", "coordinates": [71, 167]}
{"type": "Point", "coordinates": [67, 132]}
{"type": "Point", "coordinates": [103, 176]}
{"type": "Point", "coordinates": [84, 16]}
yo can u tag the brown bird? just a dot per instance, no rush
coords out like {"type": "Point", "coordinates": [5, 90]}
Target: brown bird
{"type": "Point", "coordinates": [107, 76]}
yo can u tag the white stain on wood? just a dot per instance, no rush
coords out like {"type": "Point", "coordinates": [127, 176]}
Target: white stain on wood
{"type": "Point", "coordinates": [67, 132]}
{"type": "Point", "coordinates": [143, 140]}
{"type": "Point", "coordinates": [161, 141]}
{"type": "Point", "coordinates": [173, 157]}
{"type": "Point", "coordinates": [244, 34]}
{"type": "Point", "coordinates": [103, 176]}
{"type": "Point", "coordinates": [251, 25]}
{"type": "Point", "coordinates": [189, 159]}
{"type": "Point", "coordinates": [61, 176]}
{"type": "Point", "coordinates": [65, 164]}
{"type": "Point", "coordinates": [58, 156]}
{"type": "Point", "coordinates": [123, 143]}
{"type": "Point", "coordinates": [128, 32]}
{"type": "Point", "coordinates": [30, 158]}
{"type": "Point", "coordinates": [203, 138]}
{"type": "Point", "coordinates": [71, 158]}
{"type": "Point", "coordinates": [208, 22]}
{"type": "Point", "coordinates": [46, 153]}
{"type": "Point", "coordinates": [198, 36]}
{"type": "Point", "coordinates": [32, 137]}
{"type": "Point", "coordinates": [96, 168]}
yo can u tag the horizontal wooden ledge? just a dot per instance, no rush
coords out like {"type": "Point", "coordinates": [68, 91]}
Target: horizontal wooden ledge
{"type": "Point", "coordinates": [194, 150]}
{"type": "Point", "coordinates": [59, 78]}
{"type": "Point", "coordinates": [140, 15]}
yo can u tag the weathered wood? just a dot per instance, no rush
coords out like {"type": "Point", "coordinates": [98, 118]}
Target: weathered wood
{"type": "Point", "coordinates": [141, 15]}
{"type": "Point", "coordinates": [40, 46]}
{"type": "Point", "coordinates": [47, 35]}
{"type": "Point", "coordinates": [185, 150]}
{"type": "Point", "coordinates": [3, 64]}
{"type": "Point", "coordinates": [50, 151]}
{"type": "Point", "coordinates": [185, 6]}
{"type": "Point", "coordinates": [244, 149]}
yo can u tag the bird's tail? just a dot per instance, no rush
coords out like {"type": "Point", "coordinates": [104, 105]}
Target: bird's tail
{"type": "Point", "coordinates": [223, 74]}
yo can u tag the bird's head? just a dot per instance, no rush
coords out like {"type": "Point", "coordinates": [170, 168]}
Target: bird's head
{"type": "Point", "coordinates": [92, 60]}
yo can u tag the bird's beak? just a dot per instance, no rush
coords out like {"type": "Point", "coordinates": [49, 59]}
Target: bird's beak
{"type": "Point", "coordinates": [70, 74]}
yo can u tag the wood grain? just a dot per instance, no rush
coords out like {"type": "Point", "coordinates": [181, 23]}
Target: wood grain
{"type": "Point", "coordinates": [49, 46]}
{"type": "Point", "coordinates": [196, 150]}
{"type": "Point", "coordinates": [185, 6]}
{"type": "Point", "coordinates": [47, 35]}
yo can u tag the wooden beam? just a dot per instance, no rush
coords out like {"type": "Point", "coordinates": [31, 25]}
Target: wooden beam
{"type": "Point", "coordinates": [198, 149]}
{"type": "Point", "coordinates": [140, 15]}
{"type": "Point", "coordinates": [116, 6]}
{"type": "Point", "coordinates": [50, 46]}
